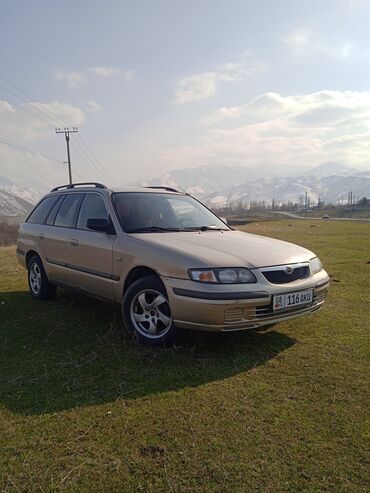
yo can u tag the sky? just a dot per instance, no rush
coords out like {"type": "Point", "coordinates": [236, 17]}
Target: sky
{"type": "Point", "coordinates": [157, 86]}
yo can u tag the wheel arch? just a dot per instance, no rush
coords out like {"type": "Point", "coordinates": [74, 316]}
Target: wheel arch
{"type": "Point", "coordinates": [29, 255]}
{"type": "Point", "coordinates": [139, 272]}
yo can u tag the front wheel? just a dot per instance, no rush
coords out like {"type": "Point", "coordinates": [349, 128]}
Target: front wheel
{"type": "Point", "coordinates": [40, 287]}
{"type": "Point", "coordinates": [147, 313]}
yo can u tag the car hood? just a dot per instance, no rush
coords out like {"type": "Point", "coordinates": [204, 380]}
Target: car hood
{"type": "Point", "coordinates": [229, 248]}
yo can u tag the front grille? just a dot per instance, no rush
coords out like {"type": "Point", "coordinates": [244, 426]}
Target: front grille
{"type": "Point", "coordinates": [282, 277]}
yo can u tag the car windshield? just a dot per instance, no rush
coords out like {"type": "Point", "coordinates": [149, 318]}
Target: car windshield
{"type": "Point", "coordinates": [145, 212]}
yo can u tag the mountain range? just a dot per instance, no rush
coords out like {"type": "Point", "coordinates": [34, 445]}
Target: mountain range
{"type": "Point", "coordinates": [218, 185]}
{"type": "Point", "coordinates": [221, 185]}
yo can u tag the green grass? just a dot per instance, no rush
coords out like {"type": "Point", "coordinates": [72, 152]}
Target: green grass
{"type": "Point", "coordinates": [83, 408]}
{"type": "Point", "coordinates": [354, 213]}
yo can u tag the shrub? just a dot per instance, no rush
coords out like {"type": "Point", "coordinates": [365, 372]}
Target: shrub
{"type": "Point", "coordinates": [8, 233]}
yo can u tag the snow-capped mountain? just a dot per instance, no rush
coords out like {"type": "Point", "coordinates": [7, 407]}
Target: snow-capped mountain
{"type": "Point", "coordinates": [29, 194]}
{"type": "Point", "coordinates": [204, 180]}
{"type": "Point", "coordinates": [220, 185]}
{"type": "Point", "coordinates": [330, 168]}
{"type": "Point", "coordinates": [11, 205]}
{"type": "Point", "coordinates": [331, 189]}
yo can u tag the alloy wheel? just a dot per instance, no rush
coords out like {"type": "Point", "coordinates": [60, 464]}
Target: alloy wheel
{"type": "Point", "coordinates": [150, 313]}
{"type": "Point", "coordinates": [35, 278]}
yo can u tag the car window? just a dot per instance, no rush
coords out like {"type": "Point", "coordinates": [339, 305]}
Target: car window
{"type": "Point", "coordinates": [39, 214]}
{"type": "Point", "coordinates": [53, 212]}
{"type": "Point", "coordinates": [67, 213]}
{"type": "Point", "coordinates": [92, 208]}
{"type": "Point", "coordinates": [144, 210]}
{"type": "Point", "coordinates": [189, 214]}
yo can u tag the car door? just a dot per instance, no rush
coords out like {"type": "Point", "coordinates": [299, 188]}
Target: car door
{"type": "Point", "coordinates": [92, 251]}
{"type": "Point", "coordinates": [58, 232]}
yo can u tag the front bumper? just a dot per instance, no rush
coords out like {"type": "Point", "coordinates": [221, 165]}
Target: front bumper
{"type": "Point", "coordinates": [227, 308]}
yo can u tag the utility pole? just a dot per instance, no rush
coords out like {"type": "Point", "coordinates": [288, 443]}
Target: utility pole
{"type": "Point", "coordinates": [305, 204]}
{"type": "Point", "coordinates": [66, 131]}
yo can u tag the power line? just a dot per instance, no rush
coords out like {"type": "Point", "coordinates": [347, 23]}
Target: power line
{"type": "Point", "coordinates": [57, 119]}
{"type": "Point", "coordinates": [103, 170]}
{"type": "Point", "coordinates": [17, 146]}
{"type": "Point", "coordinates": [28, 109]}
{"type": "Point", "coordinates": [76, 173]}
{"type": "Point", "coordinates": [82, 154]}
{"type": "Point", "coordinates": [46, 113]}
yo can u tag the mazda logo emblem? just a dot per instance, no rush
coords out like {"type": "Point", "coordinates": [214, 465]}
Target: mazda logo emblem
{"type": "Point", "coordinates": [288, 269]}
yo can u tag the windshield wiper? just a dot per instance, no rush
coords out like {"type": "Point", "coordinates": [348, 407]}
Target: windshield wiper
{"type": "Point", "coordinates": [204, 228]}
{"type": "Point", "coordinates": [153, 229]}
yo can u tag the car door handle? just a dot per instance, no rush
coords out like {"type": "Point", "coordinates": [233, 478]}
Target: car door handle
{"type": "Point", "coordinates": [74, 243]}
{"type": "Point", "coordinates": [41, 236]}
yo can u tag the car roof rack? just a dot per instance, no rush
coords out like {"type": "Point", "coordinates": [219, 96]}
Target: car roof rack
{"type": "Point", "coordinates": [169, 189]}
{"type": "Point", "coordinates": [74, 185]}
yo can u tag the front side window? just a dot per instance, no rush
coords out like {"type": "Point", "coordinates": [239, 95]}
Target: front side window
{"type": "Point", "coordinates": [40, 212]}
{"type": "Point", "coordinates": [67, 213]}
{"type": "Point", "coordinates": [146, 212]}
{"type": "Point", "coordinates": [92, 208]}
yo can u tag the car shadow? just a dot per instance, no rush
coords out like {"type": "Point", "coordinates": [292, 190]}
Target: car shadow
{"type": "Point", "coordinates": [72, 352]}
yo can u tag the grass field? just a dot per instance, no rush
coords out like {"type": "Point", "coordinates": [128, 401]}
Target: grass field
{"type": "Point", "coordinates": [83, 408]}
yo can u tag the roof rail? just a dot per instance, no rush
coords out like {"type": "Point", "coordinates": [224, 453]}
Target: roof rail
{"type": "Point", "coordinates": [73, 185]}
{"type": "Point", "coordinates": [169, 189]}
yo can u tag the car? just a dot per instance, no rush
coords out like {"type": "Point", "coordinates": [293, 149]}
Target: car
{"type": "Point", "coordinates": [167, 259]}
{"type": "Point", "coordinates": [325, 216]}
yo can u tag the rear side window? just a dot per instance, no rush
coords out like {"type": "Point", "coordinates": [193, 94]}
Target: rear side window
{"type": "Point", "coordinates": [92, 208]}
{"type": "Point", "coordinates": [67, 213]}
{"type": "Point", "coordinates": [39, 214]}
{"type": "Point", "coordinates": [52, 214]}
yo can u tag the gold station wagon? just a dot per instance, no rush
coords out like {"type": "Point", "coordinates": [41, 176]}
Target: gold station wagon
{"type": "Point", "coordinates": [167, 259]}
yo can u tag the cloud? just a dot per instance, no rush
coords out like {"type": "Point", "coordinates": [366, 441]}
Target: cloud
{"type": "Point", "coordinates": [284, 131]}
{"type": "Point", "coordinates": [199, 86]}
{"type": "Point", "coordinates": [93, 106]}
{"type": "Point", "coordinates": [202, 86]}
{"type": "Point", "coordinates": [31, 121]}
{"type": "Point", "coordinates": [75, 78]}
{"type": "Point", "coordinates": [306, 42]}
{"type": "Point", "coordinates": [129, 74]}
{"type": "Point", "coordinates": [26, 127]}
{"type": "Point", "coordinates": [105, 72]}
{"type": "Point", "coordinates": [72, 79]}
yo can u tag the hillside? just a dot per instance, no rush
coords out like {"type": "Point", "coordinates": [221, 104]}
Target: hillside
{"type": "Point", "coordinates": [219, 185]}
{"type": "Point", "coordinates": [331, 189]}
{"type": "Point", "coordinates": [12, 205]}
{"type": "Point", "coordinates": [26, 192]}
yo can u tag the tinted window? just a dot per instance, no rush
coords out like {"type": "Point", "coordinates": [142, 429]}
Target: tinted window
{"type": "Point", "coordinates": [39, 214]}
{"type": "Point", "coordinates": [92, 208]}
{"type": "Point", "coordinates": [51, 217]}
{"type": "Point", "coordinates": [67, 213]}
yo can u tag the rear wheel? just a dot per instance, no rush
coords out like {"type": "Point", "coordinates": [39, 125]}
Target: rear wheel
{"type": "Point", "coordinates": [147, 313]}
{"type": "Point", "coordinates": [40, 287]}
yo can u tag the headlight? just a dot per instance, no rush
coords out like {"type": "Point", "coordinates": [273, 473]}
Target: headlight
{"type": "Point", "coordinates": [315, 265]}
{"type": "Point", "coordinates": [238, 275]}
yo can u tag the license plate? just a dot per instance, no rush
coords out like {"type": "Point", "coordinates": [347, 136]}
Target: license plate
{"type": "Point", "coordinates": [291, 300]}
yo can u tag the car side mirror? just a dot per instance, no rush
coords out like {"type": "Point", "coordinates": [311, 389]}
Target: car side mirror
{"type": "Point", "coordinates": [99, 225]}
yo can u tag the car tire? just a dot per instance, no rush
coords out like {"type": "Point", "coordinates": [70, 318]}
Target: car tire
{"type": "Point", "coordinates": [40, 287]}
{"type": "Point", "coordinates": [147, 313]}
